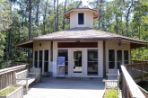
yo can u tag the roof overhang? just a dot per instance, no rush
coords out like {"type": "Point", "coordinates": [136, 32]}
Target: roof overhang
{"type": "Point", "coordinates": [95, 12]}
{"type": "Point", "coordinates": [133, 43]}
{"type": "Point", "coordinates": [27, 44]}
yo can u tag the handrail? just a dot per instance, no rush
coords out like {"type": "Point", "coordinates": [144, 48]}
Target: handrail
{"type": "Point", "coordinates": [134, 90]}
{"type": "Point", "coordinates": [10, 69]}
{"type": "Point", "coordinates": [7, 75]}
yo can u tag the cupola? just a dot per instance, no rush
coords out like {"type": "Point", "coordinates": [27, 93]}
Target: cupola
{"type": "Point", "coordinates": [81, 17]}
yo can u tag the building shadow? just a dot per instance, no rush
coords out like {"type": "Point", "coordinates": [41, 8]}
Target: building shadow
{"type": "Point", "coordinates": [70, 83]}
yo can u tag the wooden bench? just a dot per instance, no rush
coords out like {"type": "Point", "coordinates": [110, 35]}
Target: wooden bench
{"type": "Point", "coordinates": [111, 83]}
{"type": "Point", "coordinates": [24, 78]}
{"type": "Point", "coordinates": [113, 74]}
{"type": "Point", "coordinates": [113, 78]}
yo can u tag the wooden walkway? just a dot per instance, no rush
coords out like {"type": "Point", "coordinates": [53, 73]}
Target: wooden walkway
{"type": "Point", "coordinates": [67, 88]}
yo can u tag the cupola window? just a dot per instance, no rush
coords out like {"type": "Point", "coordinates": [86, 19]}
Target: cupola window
{"type": "Point", "coordinates": [80, 18]}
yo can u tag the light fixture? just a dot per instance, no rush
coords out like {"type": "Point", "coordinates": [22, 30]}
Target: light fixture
{"type": "Point", "coordinates": [40, 44]}
{"type": "Point", "coordinates": [119, 43]}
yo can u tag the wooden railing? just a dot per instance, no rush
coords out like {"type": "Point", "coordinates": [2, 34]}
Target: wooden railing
{"type": "Point", "coordinates": [144, 92]}
{"type": "Point", "coordinates": [129, 87]}
{"type": "Point", "coordinates": [7, 75]}
{"type": "Point", "coordinates": [139, 71]}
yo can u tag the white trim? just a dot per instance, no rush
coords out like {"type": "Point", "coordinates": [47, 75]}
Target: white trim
{"type": "Point", "coordinates": [85, 64]}
{"type": "Point", "coordinates": [43, 62]}
{"type": "Point", "coordinates": [69, 62]}
{"type": "Point", "coordinates": [54, 63]}
{"type": "Point", "coordinates": [84, 61]}
{"type": "Point", "coordinates": [100, 58]}
{"type": "Point", "coordinates": [38, 58]}
{"type": "Point", "coordinates": [33, 58]}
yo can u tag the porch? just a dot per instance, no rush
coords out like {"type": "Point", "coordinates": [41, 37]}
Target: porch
{"type": "Point", "coordinates": [79, 59]}
{"type": "Point", "coordinates": [67, 88]}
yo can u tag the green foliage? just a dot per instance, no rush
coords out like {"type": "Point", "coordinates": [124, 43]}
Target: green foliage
{"type": "Point", "coordinates": [140, 54]}
{"type": "Point", "coordinates": [4, 24]}
{"type": "Point", "coordinates": [2, 40]}
{"type": "Point", "coordinates": [117, 16]}
{"type": "Point", "coordinates": [8, 90]}
{"type": "Point", "coordinates": [111, 93]}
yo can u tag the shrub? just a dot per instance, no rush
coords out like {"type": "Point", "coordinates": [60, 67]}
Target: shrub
{"type": "Point", "coordinates": [111, 93]}
{"type": "Point", "coordinates": [8, 90]}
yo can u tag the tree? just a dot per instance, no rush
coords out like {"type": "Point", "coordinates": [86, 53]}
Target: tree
{"type": "Point", "coordinates": [21, 20]}
{"type": "Point", "coordinates": [65, 5]}
{"type": "Point", "coordinates": [37, 12]}
{"type": "Point", "coordinates": [5, 21]}
{"type": "Point", "coordinates": [44, 17]}
{"type": "Point", "coordinates": [30, 19]}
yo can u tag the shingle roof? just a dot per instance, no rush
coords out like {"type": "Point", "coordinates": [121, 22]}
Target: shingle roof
{"type": "Point", "coordinates": [95, 12]}
{"type": "Point", "coordinates": [83, 34]}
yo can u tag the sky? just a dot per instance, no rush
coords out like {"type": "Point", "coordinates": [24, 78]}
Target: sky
{"type": "Point", "coordinates": [85, 2]}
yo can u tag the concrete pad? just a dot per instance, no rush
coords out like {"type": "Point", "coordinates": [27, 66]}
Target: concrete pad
{"type": "Point", "coordinates": [67, 88]}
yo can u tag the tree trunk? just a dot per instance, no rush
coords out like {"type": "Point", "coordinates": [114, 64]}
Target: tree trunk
{"type": "Point", "coordinates": [100, 2]}
{"type": "Point", "coordinates": [54, 15]}
{"type": "Point", "coordinates": [9, 47]}
{"type": "Point", "coordinates": [30, 20]}
{"type": "Point", "coordinates": [65, 4]}
{"type": "Point", "coordinates": [44, 17]}
{"type": "Point", "coordinates": [30, 28]}
{"type": "Point", "coordinates": [37, 12]}
{"type": "Point", "coordinates": [57, 16]}
{"type": "Point", "coordinates": [127, 17]}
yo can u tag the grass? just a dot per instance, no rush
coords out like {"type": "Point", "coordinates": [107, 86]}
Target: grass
{"type": "Point", "coordinates": [111, 93]}
{"type": "Point", "coordinates": [8, 90]}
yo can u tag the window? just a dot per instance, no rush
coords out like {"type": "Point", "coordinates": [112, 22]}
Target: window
{"type": "Point", "coordinates": [92, 62]}
{"type": "Point", "coordinates": [64, 53]}
{"type": "Point", "coordinates": [111, 59]}
{"type": "Point", "coordinates": [35, 58]}
{"type": "Point", "coordinates": [46, 58]}
{"type": "Point", "coordinates": [40, 59]}
{"type": "Point", "coordinates": [119, 58]}
{"type": "Point", "coordinates": [126, 57]}
{"type": "Point", "coordinates": [80, 18]}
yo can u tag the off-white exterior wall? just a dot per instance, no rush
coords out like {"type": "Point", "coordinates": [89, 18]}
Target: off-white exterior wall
{"type": "Point", "coordinates": [88, 19]}
{"type": "Point", "coordinates": [84, 60]}
{"type": "Point", "coordinates": [100, 58]}
{"type": "Point", "coordinates": [116, 45]}
{"type": "Point", "coordinates": [42, 46]}
{"type": "Point", "coordinates": [55, 55]}
{"type": "Point", "coordinates": [110, 44]}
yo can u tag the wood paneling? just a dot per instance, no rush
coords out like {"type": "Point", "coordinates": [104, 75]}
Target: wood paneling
{"type": "Point", "coordinates": [77, 45]}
